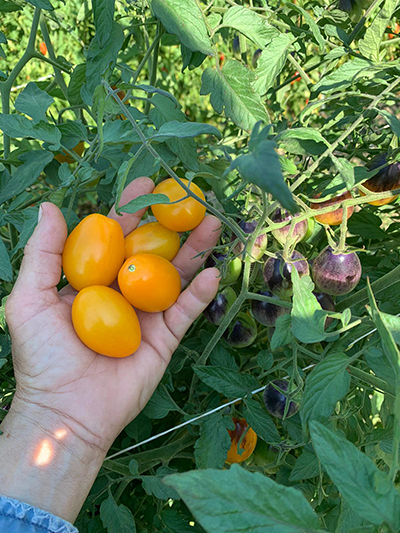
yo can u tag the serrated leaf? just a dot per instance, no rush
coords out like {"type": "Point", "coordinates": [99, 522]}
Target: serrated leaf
{"type": "Point", "coordinates": [8, 7]}
{"type": "Point", "coordinates": [307, 318]}
{"type": "Point", "coordinates": [227, 381]}
{"type": "Point", "coordinates": [306, 467]}
{"type": "Point", "coordinates": [282, 334]}
{"type": "Point", "coordinates": [367, 490]}
{"type": "Point", "coordinates": [370, 44]}
{"type": "Point", "coordinates": [252, 168]}
{"type": "Point", "coordinates": [154, 486]}
{"type": "Point", "coordinates": [33, 102]}
{"type": "Point", "coordinates": [76, 80]}
{"type": "Point", "coordinates": [251, 25]}
{"type": "Point", "coordinates": [222, 357]}
{"type": "Point", "coordinates": [231, 91]}
{"type": "Point", "coordinates": [116, 518]}
{"type": "Point", "coordinates": [30, 222]}
{"type": "Point", "coordinates": [212, 447]}
{"type": "Point", "coordinates": [349, 520]}
{"type": "Point", "coordinates": [312, 24]}
{"type": "Point", "coordinates": [393, 121]}
{"type": "Point", "coordinates": [20, 127]}
{"type": "Point", "coordinates": [6, 271]}
{"type": "Point", "coordinates": [160, 404]}
{"type": "Point", "coordinates": [261, 422]}
{"type": "Point", "coordinates": [26, 174]}
{"type": "Point", "coordinates": [103, 11]}
{"type": "Point", "coordinates": [42, 4]}
{"type": "Point", "coordinates": [263, 506]}
{"type": "Point", "coordinates": [366, 225]}
{"type": "Point", "coordinates": [271, 62]}
{"type": "Point", "coordinates": [182, 130]}
{"type": "Point", "coordinates": [184, 18]}
{"type": "Point", "coordinates": [344, 76]}
{"type": "Point", "coordinates": [328, 383]}
{"type": "Point", "coordinates": [145, 200]}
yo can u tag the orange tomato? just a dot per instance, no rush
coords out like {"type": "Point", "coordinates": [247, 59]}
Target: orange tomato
{"type": "Point", "coordinates": [334, 218]}
{"type": "Point", "coordinates": [247, 445]}
{"type": "Point", "coordinates": [149, 282]}
{"type": "Point", "coordinates": [43, 48]}
{"type": "Point", "coordinates": [383, 201]}
{"type": "Point", "coordinates": [93, 252]}
{"type": "Point", "coordinates": [184, 215]}
{"type": "Point", "coordinates": [121, 94]}
{"type": "Point", "coordinates": [152, 238]}
{"type": "Point", "coordinates": [64, 157]}
{"type": "Point", "coordinates": [106, 322]}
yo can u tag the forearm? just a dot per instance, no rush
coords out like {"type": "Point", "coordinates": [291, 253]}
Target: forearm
{"type": "Point", "coordinates": [44, 462]}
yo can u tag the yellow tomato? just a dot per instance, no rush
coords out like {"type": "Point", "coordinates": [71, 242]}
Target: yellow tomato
{"type": "Point", "coordinates": [64, 157]}
{"type": "Point", "coordinates": [152, 238]}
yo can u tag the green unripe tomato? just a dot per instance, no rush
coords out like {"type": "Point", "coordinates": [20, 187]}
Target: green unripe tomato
{"type": "Point", "coordinates": [310, 228]}
{"type": "Point", "coordinates": [232, 272]}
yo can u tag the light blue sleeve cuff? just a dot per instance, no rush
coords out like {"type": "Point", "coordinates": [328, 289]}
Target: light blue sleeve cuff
{"type": "Point", "coordinates": [19, 517]}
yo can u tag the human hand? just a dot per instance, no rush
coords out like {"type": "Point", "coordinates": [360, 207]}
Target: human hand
{"type": "Point", "coordinates": [79, 400]}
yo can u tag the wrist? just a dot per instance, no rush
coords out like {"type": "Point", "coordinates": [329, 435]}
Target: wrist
{"type": "Point", "coordinates": [47, 460]}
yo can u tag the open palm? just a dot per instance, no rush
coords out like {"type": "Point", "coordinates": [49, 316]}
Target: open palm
{"type": "Point", "coordinates": [91, 395]}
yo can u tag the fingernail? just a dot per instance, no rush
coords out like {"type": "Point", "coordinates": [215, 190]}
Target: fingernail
{"type": "Point", "coordinates": [40, 213]}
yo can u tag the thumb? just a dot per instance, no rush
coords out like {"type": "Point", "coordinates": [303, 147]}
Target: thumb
{"type": "Point", "coordinates": [41, 265]}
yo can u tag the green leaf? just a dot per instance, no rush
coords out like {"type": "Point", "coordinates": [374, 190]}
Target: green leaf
{"type": "Point", "coordinates": [251, 25]}
{"type": "Point", "coordinates": [6, 272]}
{"type": "Point", "coordinates": [308, 318]}
{"type": "Point", "coordinates": [76, 80]}
{"type": "Point", "coordinates": [20, 127]}
{"type": "Point", "coordinates": [348, 520]}
{"type": "Point", "coordinates": [212, 447]}
{"type": "Point", "coordinates": [252, 168]}
{"type": "Point", "coordinates": [231, 91]}
{"type": "Point", "coordinates": [259, 420]}
{"type": "Point", "coordinates": [306, 467]}
{"type": "Point", "coordinates": [182, 130]}
{"type": "Point", "coordinates": [154, 486]}
{"type": "Point", "coordinates": [116, 518]}
{"type": "Point", "coordinates": [301, 141]}
{"type": "Point", "coordinates": [344, 76]}
{"type": "Point", "coordinates": [221, 497]}
{"type": "Point", "coordinates": [33, 102]}
{"type": "Point", "coordinates": [312, 24]}
{"type": "Point", "coordinates": [282, 334]}
{"type": "Point", "coordinates": [160, 404]}
{"type": "Point", "coordinates": [271, 62]}
{"type": "Point", "coordinates": [155, 90]}
{"type": "Point", "coordinates": [99, 58]}
{"type": "Point", "coordinates": [9, 7]}
{"type": "Point", "coordinates": [103, 11]}
{"type": "Point", "coordinates": [325, 386]}
{"type": "Point", "coordinates": [366, 225]}
{"type": "Point", "coordinates": [144, 201]}
{"type": "Point", "coordinates": [42, 4]}
{"type": "Point", "coordinates": [25, 175]}
{"type": "Point", "coordinates": [227, 381]}
{"type": "Point", "coordinates": [393, 121]}
{"type": "Point", "coordinates": [379, 364]}
{"type": "Point", "coordinates": [370, 44]}
{"type": "Point", "coordinates": [30, 223]}
{"type": "Point", "coordinates": [367, 490]}
{"type": "Point", "coordinates": [184, 18]}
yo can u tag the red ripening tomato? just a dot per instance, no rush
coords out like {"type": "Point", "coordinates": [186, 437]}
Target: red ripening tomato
{"type": "Point", "coordinates": [152, 238]}
{"type": "Point", "coordinates": [181, 216]}
{"type": "Point", "coordinates": [43, 48]}
{"type": "Point", "coordinates": [334, 218]}
{"type": "Point", "coordinates": [64, 157]}
{"type": "Point", "coordinates": [105, 322]}
{"type": "Point", "coordinates": [93, 252]}
{"type": "Point", "coordinates": [247, 445]}
{"type": "Point", "coordinates": [149, 282]}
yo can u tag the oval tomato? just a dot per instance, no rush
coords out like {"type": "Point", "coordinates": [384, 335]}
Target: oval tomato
{"type": "Point", "coordinates": [43, 48]}
{"type": "Point", "coordinates": [93, 252]}
{"type": "Point", "coordinates": [334, 218]}
{"type": "Point", "coordinates": [184, 215]}
{"type": "Point", "coordinates": [247, 445]}
{"type": "Point", "coordinates": [105, 322]}
{"type": "Point", "coordinates": [64, 157]}
{"type": "Point", "coordinates": [149, 282]}
{"type": "Point", "coordinates": [152, 238]}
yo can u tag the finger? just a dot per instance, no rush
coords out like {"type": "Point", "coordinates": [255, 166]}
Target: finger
{"type": "Point", "coordinates": [202, 238]}
{"type": "Point", "coordinates": [192, 302]}
{"type": "Point", "coordinates": [41, 266]}
{"type": "Point", "coordinates": [136, 188]}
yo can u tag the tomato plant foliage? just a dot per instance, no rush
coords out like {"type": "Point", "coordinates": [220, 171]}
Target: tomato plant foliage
{"type": "Point", "coordinates": [263, 107]}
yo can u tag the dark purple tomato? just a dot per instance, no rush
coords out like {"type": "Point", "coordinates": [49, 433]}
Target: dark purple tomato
{"type": "Point", "coordinates": [241, 332]}
{"type": "Point", "coordinates": [275, 401]}
{"type": "Point", "coordinates": [256, 57]}
{"type": "Point", "coordinates": [327, 304]}
{"type": "Point", "coordinates": [258, 247]}
{"type": "Point", "coordinates": [299, 231]}
{"type": "Point", "coordinates": [266, 313]}
{"type": "Point", "coordinates": [336, 273]}
{"type": "Point", "coordinates": [218, 308]}
{"type": "Point", "coordinates": [232, 270]}
{"type": "Point", "coordinates": [277, 273]}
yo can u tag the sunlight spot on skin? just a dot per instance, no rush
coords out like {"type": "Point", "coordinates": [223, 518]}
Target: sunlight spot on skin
{"type": "Point", "coordinates": [44, 453]}
{"type": "Point", "coordinates": [60, 433]}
